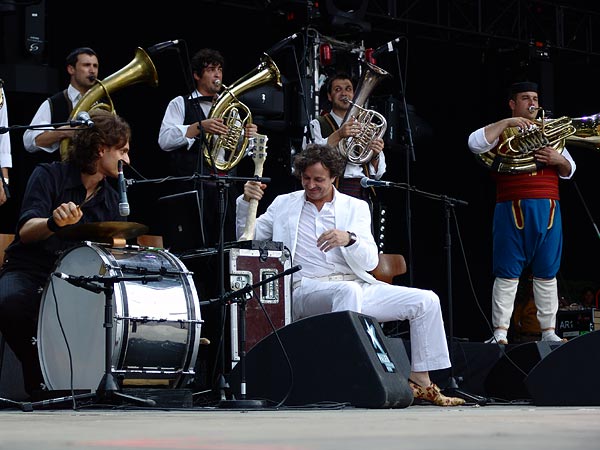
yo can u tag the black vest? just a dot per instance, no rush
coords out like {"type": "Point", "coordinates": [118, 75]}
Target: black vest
{"type": "Point", "coordinates": [60, 107]}
{"type": "Point", "coordinates": [187, 162]}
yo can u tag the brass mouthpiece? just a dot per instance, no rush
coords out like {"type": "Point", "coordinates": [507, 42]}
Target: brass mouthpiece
{"type": "Point", "coordinates": [533, 108]}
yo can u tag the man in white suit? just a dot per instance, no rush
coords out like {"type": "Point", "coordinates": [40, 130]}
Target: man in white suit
{"type": "Point", "coordinates": [329, 234]}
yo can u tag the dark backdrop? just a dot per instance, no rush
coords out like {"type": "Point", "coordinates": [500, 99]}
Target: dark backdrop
{"type": "Point", "coordinates": [453, 88]}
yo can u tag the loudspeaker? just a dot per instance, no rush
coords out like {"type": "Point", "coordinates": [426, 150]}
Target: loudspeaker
{"type": "Point", "coordinates": [506, 379]}
{"type": "Point", "coordinates": [567, 376]}
{"type": "Point", "coordinates": [341, 357]}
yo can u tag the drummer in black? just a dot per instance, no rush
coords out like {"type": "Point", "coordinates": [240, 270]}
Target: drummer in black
{"type": "Point", "coordinates": [58, 195]}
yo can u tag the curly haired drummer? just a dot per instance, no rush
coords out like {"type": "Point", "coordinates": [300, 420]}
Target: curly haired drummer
{"type": "Point", "coordinates": [58, 195]}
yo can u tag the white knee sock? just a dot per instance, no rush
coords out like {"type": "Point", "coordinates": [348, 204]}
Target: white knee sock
{"type": "Point", "coordinates": [545, 293]}
{"type": "Point", "coordinates": [503, 302]}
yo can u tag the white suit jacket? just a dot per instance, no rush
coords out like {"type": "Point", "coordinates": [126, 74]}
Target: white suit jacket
{"type": "Point", "coordinates": [280, 224]}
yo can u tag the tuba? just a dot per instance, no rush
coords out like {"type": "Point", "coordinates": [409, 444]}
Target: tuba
{"type": "Point", "coordinates": [140, 69]}
{"type": "Point", "coordinates": [516, 148]}
{"type": "Point", "coordinates": [225, 151]}
{"type": "Point", "coordinates": [356, 148]}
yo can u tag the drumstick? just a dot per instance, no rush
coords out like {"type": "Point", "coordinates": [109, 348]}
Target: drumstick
{"type": "Point", "coordinates": [91, 196]}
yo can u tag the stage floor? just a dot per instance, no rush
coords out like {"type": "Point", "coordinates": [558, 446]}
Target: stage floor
{"type": "Point", "coordinates": [415, 427]}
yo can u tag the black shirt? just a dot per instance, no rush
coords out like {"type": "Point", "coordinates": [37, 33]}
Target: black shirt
{"type": "Point", "coordinates": [49, 186]}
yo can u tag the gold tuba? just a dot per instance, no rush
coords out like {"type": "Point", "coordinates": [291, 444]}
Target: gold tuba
{"type": "Point", "coordinates": [516, 148]}
{"type": "Point", "coordinates": [140, 69]}
{"type": "Point", "coordinates": [356, 149]}
{"type": "Point", "coordinates": [226, 151]}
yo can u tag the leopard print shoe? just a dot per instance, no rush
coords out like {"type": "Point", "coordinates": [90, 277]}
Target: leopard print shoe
{"type": "Point", "coordinates": [434, 395]}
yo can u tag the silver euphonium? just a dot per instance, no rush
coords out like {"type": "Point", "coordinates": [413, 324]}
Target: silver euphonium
{"type": "Point", "coordinates": [373, 125]}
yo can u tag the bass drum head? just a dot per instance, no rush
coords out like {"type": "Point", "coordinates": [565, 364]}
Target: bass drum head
{"type": "Point", "coordinates": [155, 325]}
{"type": "Point", "coordinates": [71, 323]}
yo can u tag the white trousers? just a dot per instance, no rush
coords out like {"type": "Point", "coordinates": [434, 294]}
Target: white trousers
{"type": "Point", "coordinates": [384, 302]}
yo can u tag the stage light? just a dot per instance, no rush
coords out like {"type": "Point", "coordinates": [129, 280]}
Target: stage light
{"type": "Point", "coordinates": [325, 56]}
{"type": "Point", "coordinates": [348, 14]}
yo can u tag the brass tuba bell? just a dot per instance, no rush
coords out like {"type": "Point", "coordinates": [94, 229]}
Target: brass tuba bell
{"type": "Point", "coordinates": [373, 125]}
{"type": "Point", "coordinates": [516, 148]}
{"type": "Point", "coordinates": [224, 152]}
{"type": "Point", "coordinates": [140, 69]}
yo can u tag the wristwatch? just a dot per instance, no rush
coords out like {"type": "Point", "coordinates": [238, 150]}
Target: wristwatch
{"type": "Point", "coordinates": [352, 238]}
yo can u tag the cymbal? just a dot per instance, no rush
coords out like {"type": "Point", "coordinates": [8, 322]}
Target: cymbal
{"type": "Point", "coordinates": [102, 231]}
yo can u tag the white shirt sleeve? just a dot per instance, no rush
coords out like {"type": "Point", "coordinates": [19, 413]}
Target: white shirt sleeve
{"type": "Point", "coordinates": [172, 131]}
{"type": "Point", "coordinates": [569, 158]}
{"type": "Point", "coordinates": [478, 143]}
{"type": "Point", "coordinates": [5, 155]}
{"type": "Point", "coordinates": [316, 134]}
{"type": "Point", "coordinates": [42, 116]}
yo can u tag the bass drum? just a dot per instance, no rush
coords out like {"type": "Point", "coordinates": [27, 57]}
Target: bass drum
{"type": "Point", "coordinates": [155, 326]}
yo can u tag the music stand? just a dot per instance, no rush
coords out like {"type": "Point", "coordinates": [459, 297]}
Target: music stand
{"type": "Point", "coordinates": [108, 391]}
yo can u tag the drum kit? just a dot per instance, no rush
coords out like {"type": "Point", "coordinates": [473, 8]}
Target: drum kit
{"type": "Point", "coordinates": [152, 334]}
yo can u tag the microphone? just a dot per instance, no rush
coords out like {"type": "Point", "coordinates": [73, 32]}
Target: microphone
{"type": "Point", "coordinates": [157, 48]}
{"type": "Point", "coordinates": [123, 203]}
{"type": "Point", "coordinates": [387, 47]}
{"type": "Point", "coordinates": [291, 270]}
{"type": "Point", "coordinates": [83, 118]}
{"type": "Point", "coordinates": [281, 44]}
{"type": "Point", "coordinates": [79, 281]}
{"type": "Point", "coordinates": [368, 182]}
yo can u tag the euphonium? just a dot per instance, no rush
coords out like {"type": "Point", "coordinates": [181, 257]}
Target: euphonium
{"type": "Point", "coordinates": [516, 148]}
{"type": "Point", "coordinates": [226, 151]}
{"type": "Point", "coordinates": [587, 132]}
{"type": "Point", "coordinates": [140, 69]}
{"type": "Point", "coordinates": [373, 125]}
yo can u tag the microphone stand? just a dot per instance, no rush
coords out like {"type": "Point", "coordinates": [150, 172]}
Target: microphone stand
{"type": "Point", "coordinates": [42, 126]}
{"type": "Point", "coordinates": [222, 181]}
{"type": "Point", "coordinates": [222, 184]}
{"type": "Point", "coordinates": [217, 178]}
{"type": "Point", "coordinates": [448, 203]}
{"type": "Point", "coordinates": [241, 297]}
{"type": "Point", "coordinates": [108, 391]}
{"type": "Point", "coordinates": [409, 150]}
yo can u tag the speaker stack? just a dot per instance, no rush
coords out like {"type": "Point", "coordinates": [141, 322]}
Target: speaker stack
{"type": "Point", "coordinates": [549, 374]}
